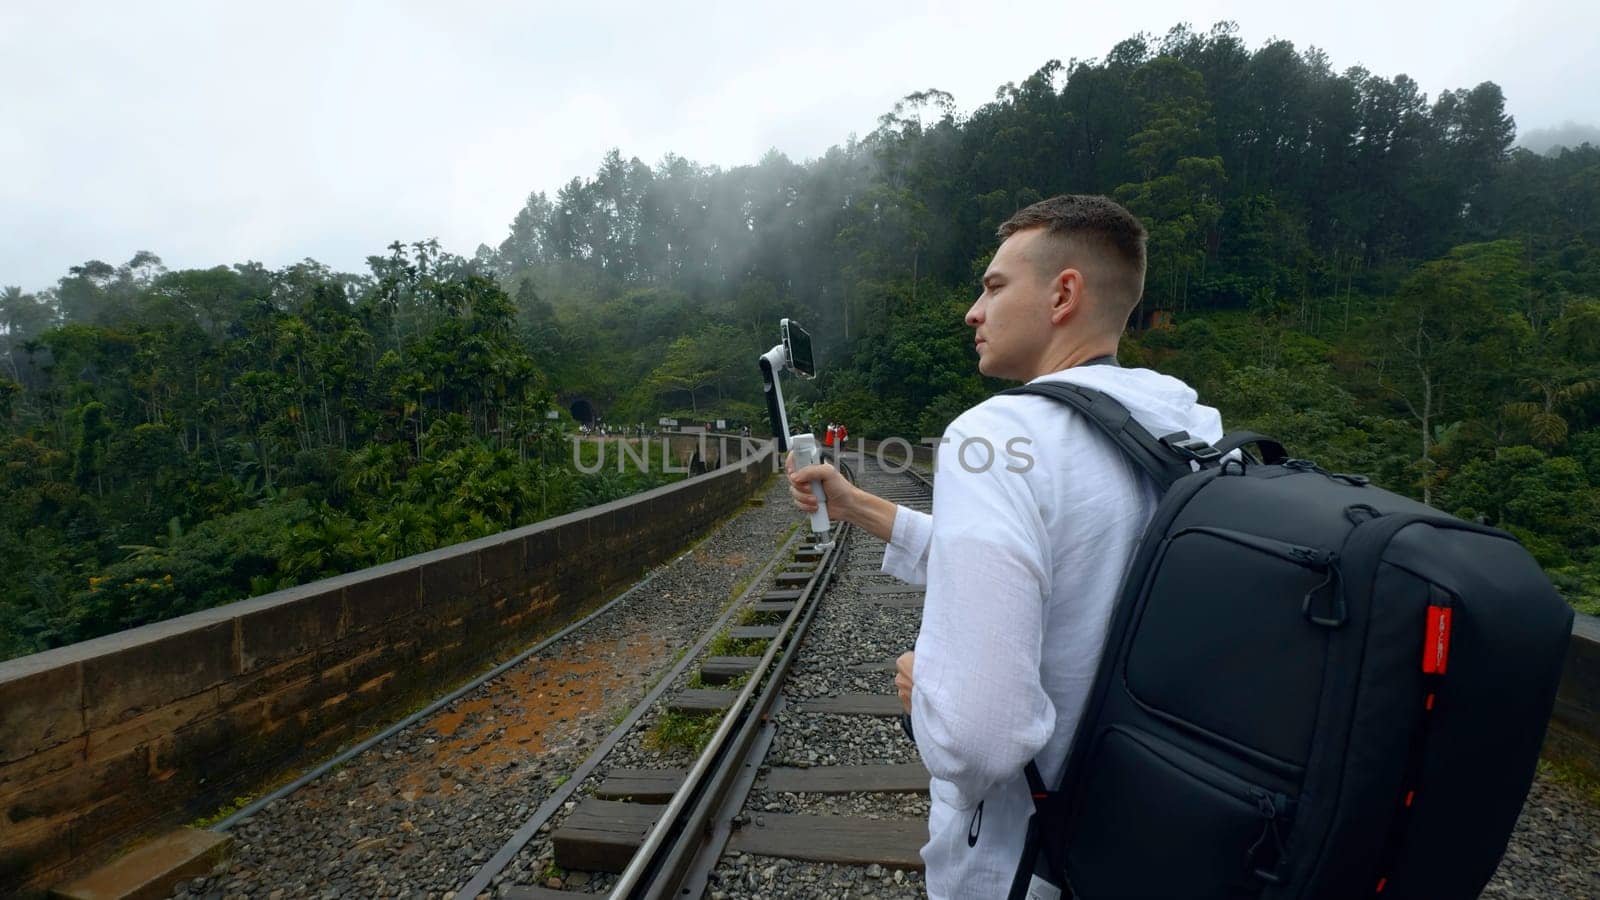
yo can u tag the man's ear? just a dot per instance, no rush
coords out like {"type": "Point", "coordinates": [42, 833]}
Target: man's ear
{"type": "Point", "coordinates": [1067, 296]}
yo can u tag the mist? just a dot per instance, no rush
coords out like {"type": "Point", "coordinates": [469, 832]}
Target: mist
{"type": "Point", "coordinates": [1569, 134]}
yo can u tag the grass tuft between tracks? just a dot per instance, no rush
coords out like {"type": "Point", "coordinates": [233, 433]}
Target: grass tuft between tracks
{"type": "Point", "coordinates": [723, 645]}
{"type": "Point", "coordinates": [748, 616]}
{"type": "Point", "coordinates": [680, 731]}
{"type": "Point", "coordinates": [221, 813]}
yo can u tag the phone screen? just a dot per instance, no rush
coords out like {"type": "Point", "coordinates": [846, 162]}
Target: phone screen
{"type": "Point", "coordinates": [799, 343]}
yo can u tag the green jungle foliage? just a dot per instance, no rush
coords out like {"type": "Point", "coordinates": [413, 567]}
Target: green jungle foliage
{"type": "Point", "coordinates": [1380, 280]}
{"type": "Point", "coordinates": [172, 441]}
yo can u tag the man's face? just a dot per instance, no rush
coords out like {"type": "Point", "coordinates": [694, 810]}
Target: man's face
{"type": "Point", "coordinates": [1011, 317]}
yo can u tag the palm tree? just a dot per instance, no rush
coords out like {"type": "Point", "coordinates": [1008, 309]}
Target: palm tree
{"type": "Point", "coordinates": [1557, 391]}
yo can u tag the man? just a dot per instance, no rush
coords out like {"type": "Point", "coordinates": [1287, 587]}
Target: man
{"type": "Point", "coordinates": [1022, 556]}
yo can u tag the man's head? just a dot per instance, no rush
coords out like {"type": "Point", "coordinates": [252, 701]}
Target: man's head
{"type": "Point", "coordinates": [1059, 291]}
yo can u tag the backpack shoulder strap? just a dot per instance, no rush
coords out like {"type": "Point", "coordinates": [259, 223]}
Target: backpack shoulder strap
{"type": "Point", "coordinates": [1165, 459]}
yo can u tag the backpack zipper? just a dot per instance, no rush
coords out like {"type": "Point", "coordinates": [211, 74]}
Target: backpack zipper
{"type": "Point", "coordinates": [1325, 561]}
{"type": "Point", "coordinates": [1276, 809]}
{"type": "Point", "coordinates": [1309, 557]}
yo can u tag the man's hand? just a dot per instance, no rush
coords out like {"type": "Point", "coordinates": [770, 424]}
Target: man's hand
{"type": "Point", "coordinates": [840, 492]}
{"type": "Point", "coordinates": [846, 502]}
{"type": "Point", "coordinates": [902, 678]}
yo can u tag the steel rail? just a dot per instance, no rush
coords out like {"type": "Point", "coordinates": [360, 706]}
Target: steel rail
{"type": "Point", "coordinates": [690, 876]}
{"type": "Point", "coordinates": [482, 878]}
{"type": "Point", "coordinates": [657, 866]}
{"type": "Point", "coordinates": [675, 864]}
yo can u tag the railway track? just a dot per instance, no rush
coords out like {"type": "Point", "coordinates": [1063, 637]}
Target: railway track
{"type": "Point", "coordinates": [804, 777]}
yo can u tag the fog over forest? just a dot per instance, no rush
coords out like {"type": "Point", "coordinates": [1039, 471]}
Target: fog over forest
{"type": "Point", "coordinates": [1567, 135]}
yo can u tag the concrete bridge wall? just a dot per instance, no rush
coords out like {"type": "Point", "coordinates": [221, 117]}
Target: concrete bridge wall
{"type": "Point", "coordinates": [1575, 726]}
{"type": "Point", "coordinates": [108, 739]}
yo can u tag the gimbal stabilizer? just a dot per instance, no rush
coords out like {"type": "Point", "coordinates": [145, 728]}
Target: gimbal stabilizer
{"type": "Point", "coordinates": [794, 353]}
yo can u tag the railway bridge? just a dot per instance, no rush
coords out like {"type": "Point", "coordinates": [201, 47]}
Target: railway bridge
{"type": "Point", "coordinates": [546, 711]}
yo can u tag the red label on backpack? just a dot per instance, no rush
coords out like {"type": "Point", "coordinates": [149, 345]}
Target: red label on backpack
{"type": "Point", "coordinates": [1436, 642]}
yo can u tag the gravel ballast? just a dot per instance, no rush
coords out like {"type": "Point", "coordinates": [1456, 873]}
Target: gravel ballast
{"type": "Point", "coordinates": [415, 815]}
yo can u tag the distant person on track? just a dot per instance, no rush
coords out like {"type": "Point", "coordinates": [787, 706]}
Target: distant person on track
{"type": "Point", "coordinates": [834, 440]}
{"type": "Point", "coordinates": [1035, 517]}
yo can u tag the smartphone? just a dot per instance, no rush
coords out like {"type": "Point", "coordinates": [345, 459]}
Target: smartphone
{"type": "Point", "coordinates": [798, 345]}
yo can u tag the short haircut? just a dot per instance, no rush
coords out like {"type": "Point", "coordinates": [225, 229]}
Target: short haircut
{"type": "Point", "coordinates": [1092, 233]}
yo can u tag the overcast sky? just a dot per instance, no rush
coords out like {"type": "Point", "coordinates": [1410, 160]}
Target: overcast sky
{"type": "Point", "coordinates": [212, 135]}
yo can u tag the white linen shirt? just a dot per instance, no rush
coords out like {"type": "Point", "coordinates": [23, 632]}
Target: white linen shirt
{"type": "Point", "coordinates": [1022, 561]}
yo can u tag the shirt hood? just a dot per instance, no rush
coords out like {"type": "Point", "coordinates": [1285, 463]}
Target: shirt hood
{"type": "Point", "coordinates": [1161, 403]}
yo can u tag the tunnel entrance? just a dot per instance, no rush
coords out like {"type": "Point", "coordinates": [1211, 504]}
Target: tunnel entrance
{"type": "Point", "coordinates": [582, 411]}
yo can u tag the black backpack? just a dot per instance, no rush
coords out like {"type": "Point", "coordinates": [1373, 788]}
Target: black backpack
{"type": "Point", "coordinates": [1311, 688]}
